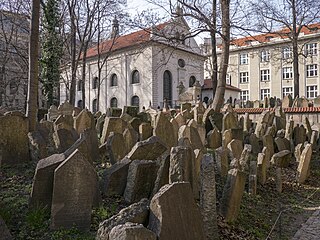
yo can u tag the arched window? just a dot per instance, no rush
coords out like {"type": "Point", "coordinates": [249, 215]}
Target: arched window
{"type": "Point", "coordinates": [95, 83]}
{"type": "Point", "coordinates": [206, 100]}
{"type": "Point", "coordinates": [192, 81]}
{"type": "Point", "coordinates": [79, 85]}
{"type": "Point", "coordinates": [79, 104]}
{"type": "Point", "coordinates": [135, 77]}
{"type": "Point", "coordinates": [135, 101]}
{"type": "Point", "coordinates": [167, 86]}
{"type": "Point", "coordinates": [13, 87]}
{"type": "Point", "coordinates": [94, 105]}
{"type": "Point", "coordinates": [114, 80]}
{"type": "Point", "coordinates": [113, 102]}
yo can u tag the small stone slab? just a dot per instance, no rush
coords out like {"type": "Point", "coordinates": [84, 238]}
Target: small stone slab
{"type": "Point", "coordinates": [140, 181]}
{"type": "Point", "coordinates": [304, 163]}
{"type": "Point", "coordinates": [112, 124]}
{"type": "Point", "coordinates": [131, 231]}
{"type": "Point", "coordinates": [281, 159]}
{"type": "Point", "coordinates": [136, 213]}
{"type": "Point", "coordinates": [116, 147]}
{"type": "Point", "coordinates": [175, 215]}
{"type": "Point", "coordinates": [149, 149]}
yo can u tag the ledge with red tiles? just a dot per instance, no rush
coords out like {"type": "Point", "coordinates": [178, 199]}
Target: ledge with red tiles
{"type": "Point", "coordinates": [286, 110]}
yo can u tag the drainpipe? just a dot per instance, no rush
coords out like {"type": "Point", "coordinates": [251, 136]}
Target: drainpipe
{"type": "Point", "coordinates": [126, 74]}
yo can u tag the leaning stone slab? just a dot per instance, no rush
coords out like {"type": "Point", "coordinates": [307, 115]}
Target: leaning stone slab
{"type": "Point", "coordinates": [262, 168]}
{"type": "Point", "coordinates": [232, 194]}
{"type": "Point", "coordinates": [4, 231]}
{"type": "Point", "coordinates": [74, 191]}
{"type": "Point", "coordinates": [208, 197]}
{"type": "Point", "coordinates": [64, 139]}
{"type": "Point", "coordinates": [116, 147]}
{"type": "Point", "coordinates": [131, 231]}
{"type": "Point", "coordinates": [42, 186]}
{"type": "Point", "coordinates": [145, 131]}
{"type": "Point", "coordinates": [214, 138]}
{"type": "Point", "coordinates": [281, 159]}
{"type": "Point", "coordinates": [163, 173]}
{"type": "Point", "coordinates": [14, 138]}
{"type": "Point", "coordinates": [304, 163]}
{"type": "Point", "coordinates": [115, 178]}
{"type": "Point", "coordinates": [164, 130]}
{"type": "Point", "coordinates": [149, 149]}
{"type": "Point", "coordinates": [235, 147]}
{"type": "Point", "coordinates": [84, 120]}
{"type": "Point", "coordinates": [136, 213]}
{"type": "Point", "coordinates": [175, 215]}
{"type": "Point", "coordinates": [112, 124]}
{"type": "Point", "coordinates": [140, 181]}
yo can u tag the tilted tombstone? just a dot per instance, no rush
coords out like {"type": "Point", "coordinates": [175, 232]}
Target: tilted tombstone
{"type": "Point", "coordinates": [192, 134]}
{"type": "Point", "coordinates": [131, 110]}
{"type": "Point", "coordinates": [131, 231]}
{"type": "Point", "coordinates": [149, 149]}
{"type": "Point", "coordinates": [229, 121]}
{"type": "Point", "coordinates": [116, 147]}
{"type": "Point", "coordinates": [282, 144]}
{"type": "Point", "coordinates": [65, 108]}
{"type": "Point", "coordinates": [287, 101]}
{"type": "Point", "coordinates": [64, 139]}
{"type": "Point", "coordinates": [113, 112]}
{"type": "Point", "coordinates": [74, 189]}
{"type": "Point", "coordinates": [142, 175]}
{"type": "Point", "coordinates": [262, 168]}
{"type": "Point", "coordinates": [145, 131]}
{"type": "Point", "coordinates": [316, 101]}
{"type": "Point", "coordinates": [299, 134]}
{"type": "Point", "coordinates": [112, 124]}
{"type": "Point", "coordinates": [232, 194]}
{"type": "Point", "coordinates": [281, 159]}
{"type": "Point", "coordinates": [83, 121]}
{"type": "Point", "coordinates": [235, 148]}
{"type": "Point", "coordinates": [175, 215]}
{"type": "Point", "coordinates": [164, 130]}
{"type": "Point", "coordinates": [214, 138]}
{"type": "Point", "coordinates": [131, 137]}
{"type": "Point", "coordinates": [135, 123]}
{"type": "Point", "coordinates": [304, 163]}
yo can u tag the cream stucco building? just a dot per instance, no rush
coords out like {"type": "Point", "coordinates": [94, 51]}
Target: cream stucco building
{"type": "Point", "coordinates": [261, 66]}
{"type": "Point", "coordinates": [142, 68]}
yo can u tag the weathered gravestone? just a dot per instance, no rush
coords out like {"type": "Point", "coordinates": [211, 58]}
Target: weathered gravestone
{"type": "Point", "coordinates": [229, 121]}
{"type": "Point", "coordinates": [135, 213]}
{"type": "Point", "coordinates": [131, 110]}
{"type": "Point", "coordinates": [281, 159]}
{"type": "Point", "coordinates": [208, 197]}
{"type": "Point", "coordinates": [262, 166]}
{"type": "Point", "coordinates": [116, 147]}
{"type": "Point", "coordinates": [175, 215]}
{"type": "Point", "coordinates": [299, 134]}
{"type": "Point", "coordinates": [149, 149]}
{"type": "Point", "coordinates": [214, 138]}
{"type": "Point", "coordinates": [42, 186]}
{"type": "Point", "coordinates": [316, 102]}
{"type": "Point", "coordinates": [114, 179]}
{"type": "Point", "coordinates": [75, 188]}
{"type": "Point", "coordinates": [192, 134]}
{"type": "Point", "coordinates": [253, 178]}
{"type": "Point", "coordinates": [65, 108]}
{"type": "Point", "coordinates": [131, 137]}
{"type": "Point", "coordinates": [83, 121]}
{"type": "Point", "coordinates": [235, 148]}
{"type": "Point", "coordinates": [164, 130]}
{"type": "Point", "coordinates": [145, 131]}
{"type": "Point", "coordinates": [112, 124]}
{"type": "Point", "coordinates": [131, 231]}
{"type": "Point", "coordinates": [304, 163]}
{"type": "Point", "coordinates": [232, 194]}
{"type": "Point", "coordinates": [287, 101]}
{"type": "Point", "coordinates": [221, 157]}
{"type": "Point", "coordinates": [14, 138]}
{"type": "Point", "coordinates": [140, 181]}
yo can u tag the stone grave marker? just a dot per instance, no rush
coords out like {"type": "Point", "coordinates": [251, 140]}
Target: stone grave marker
{"type": "Point", "coordinates": [164, 130]}
{"type": "Point", "coordinates": [74, 190]}
{"type": "Point", "coordinates": [304, 163]}
{"type": "Point", "coordinates": [214, 139]}
{"type": "Point", "coordinates": [116, 147]}
{"type": "Point", "coordinates": [131, 231]}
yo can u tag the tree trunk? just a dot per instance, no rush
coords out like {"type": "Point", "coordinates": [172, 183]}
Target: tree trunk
{"type": "Point", "coordinates": [33, 81]}
{"type": "Point", "coordinates": [219, 96]}
{"type": "Point", "coordinates": [295, 50]}
{"type": "Point", "coordinates": [73, 82]}
{"type": "Point", "coordinates": [214, 73]}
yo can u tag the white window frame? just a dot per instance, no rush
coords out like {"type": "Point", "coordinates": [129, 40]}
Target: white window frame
{"type": "Point", "coordinates": [287, 73]}
{"type": "Point", "coordinates": [244, 77]}
{"type": "Point", "coordinates": [244, 95]}
{"type": "Point", "coordinates": [265, 92]}
{"type": "Point", "coordinates": [265, 56]}
{"type": "Point", "coordinates": [312, 70]}
{"type": "Point", "coordinates": [265, 75]}
{"type": "Point", "coordinates": [286, 91]}
{"type": "Point", "coordinates": [286, 52]}
{"type": "Point", "coordinates": [228, 79]}
{"type": "Point", "coordinates": [311, 49]}
{"type": "Point", "coordinates": [243, 58]}
{"type": "Point", "coordinates": [312, 91]}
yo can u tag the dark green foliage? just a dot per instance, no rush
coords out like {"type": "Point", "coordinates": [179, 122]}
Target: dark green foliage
{"type": "Point", "coordinates": [51, 51]}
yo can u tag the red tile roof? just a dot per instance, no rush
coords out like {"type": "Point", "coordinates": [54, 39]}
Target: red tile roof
{"type": "Point", "coordinates": [131, 39]}
{"type": "Point", "coordinates": [286, 110]}
{"type": "Point", "coordinates": [264, 38]}
{"type": "Point", "coordinates": [208, 85]}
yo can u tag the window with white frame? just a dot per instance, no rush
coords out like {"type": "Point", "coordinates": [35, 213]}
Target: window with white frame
{"type": "Point", "coordinates": [244, 58]}
{"type": "Point", "coordinates": [265, 56]}
{"type": "Point", "coordinates": [312, 70]}
{"type": "Point", "coordinates": [286, 52]}
{"type": "Point", "coordinates": [244, 95]}
{"type": "Point", "coordinates": [228, 79]}
{"type": "Point", "coordinates": [311, 49]}
{"type": "Point", "coordinates": [244, 77]}
{"type": "Point", "coordinates": [265, 93]}
{"type": "Point", "coordinates": [287, 73]}
{"type": "Point", "coordinates": [312, 91]}
{"type": "Point", "coordinates": [287, 91]}
{"type": "Point", "coordinates": [265, 75]}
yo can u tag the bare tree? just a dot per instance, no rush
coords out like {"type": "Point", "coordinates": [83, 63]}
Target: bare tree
{"type": "Point", "coordinates": [293, 15]}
